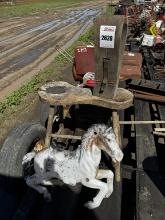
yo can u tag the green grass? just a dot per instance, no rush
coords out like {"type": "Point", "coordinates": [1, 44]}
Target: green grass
{"type": "Point", "coordinates": [36, 7]}
{"type": "Point", "coordinates": [110, 10]}
{"type": "Point", "coordinates": [17, 98]}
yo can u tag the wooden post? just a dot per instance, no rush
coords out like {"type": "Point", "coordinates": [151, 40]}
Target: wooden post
{"type": "Point", "coordinates": [49, 126]}
{"type": "Point", "coordinates": [110, 37]}
{"type": "Point", "coordinates": [116, 128]}
{"type": "Point", "coordinates": [65, 111]}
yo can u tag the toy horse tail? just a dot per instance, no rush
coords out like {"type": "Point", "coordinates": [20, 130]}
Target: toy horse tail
{"type": "Point", "coordinates": [28, 164]}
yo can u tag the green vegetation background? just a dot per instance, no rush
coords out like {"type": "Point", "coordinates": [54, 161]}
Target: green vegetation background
{"type": "Point", "coordinates": [35, 7]}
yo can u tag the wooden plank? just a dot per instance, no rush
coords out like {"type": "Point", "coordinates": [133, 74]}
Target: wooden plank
{"type": "Point", "coordinates": [161, 139]}
{"type": "Point", "coordinates": [162, 113]}
{"type": "Point", "coordinates": [108, 60]}
{"type": "Point", "coordinates": [148, 86]}
{"type": "Point", "coordinates": [65, 94]}
{"type": "Point", "coordinates": [150, 196]}
{"type": "Point", "coordinates": [145, 146]}
{"type": "Point", "coordinates": [162, 107]}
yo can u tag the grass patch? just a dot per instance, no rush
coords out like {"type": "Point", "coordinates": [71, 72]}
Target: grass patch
{"type": "Point", "coordinates": [16, 98]}
{"type": "Point", "coordinates": [34, 8]}
{"type": "Point", "coordinates": [110, 10]}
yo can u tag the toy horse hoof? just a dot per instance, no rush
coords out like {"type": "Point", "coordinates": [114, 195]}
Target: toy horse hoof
{"type": "Point", "coordinates": [47, 196]}
{"type": "Point", "coordinates": [108, 194]}
{"type": "Point", "coordinates": [91, 205]}
{"type": "Point", "coordinates": [76, 189]}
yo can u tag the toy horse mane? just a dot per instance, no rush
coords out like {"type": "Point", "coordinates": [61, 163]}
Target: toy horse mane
{"type": "Point", "coordinates": [87, 138]}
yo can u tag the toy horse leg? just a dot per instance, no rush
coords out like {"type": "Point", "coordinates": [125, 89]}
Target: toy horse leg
{"type": "Point", "coordinates": [35, 181]}
{"type": "Point", "coordinates": [96, 184]}
{"type": "Point", "coordinates": [108, 174]}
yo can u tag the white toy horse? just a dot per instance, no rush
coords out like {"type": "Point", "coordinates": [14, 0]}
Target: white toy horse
{"type": "Point", "coordinates": [79, 166]}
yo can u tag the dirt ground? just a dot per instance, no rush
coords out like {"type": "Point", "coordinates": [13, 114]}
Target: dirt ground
{"type": "Point", "coordinates": [19, 36]}
{"type": "Point", "coordinates": [26, 42]}
{"type": "Point", "coordinates": [30, 109]}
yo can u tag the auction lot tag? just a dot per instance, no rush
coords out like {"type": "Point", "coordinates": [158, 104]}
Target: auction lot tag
{"type": "Point", "coordinates": [107, 36]}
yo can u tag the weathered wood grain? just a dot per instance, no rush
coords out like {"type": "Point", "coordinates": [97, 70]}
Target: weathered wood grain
{"type": "Point", "coordinates": [108, 60]}
{"type": "Point", "coordinates": [150, 196]}
{"type": "Point", "coordinates": [62, 93]}
{"type": "Point", "coordinates": [145, 145]}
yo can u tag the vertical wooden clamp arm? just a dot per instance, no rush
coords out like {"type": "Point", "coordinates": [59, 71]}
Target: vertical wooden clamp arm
{"type": "Point", "coordinates": [116, 128]}
{"type": "Point", "coordinates": [49, 126]}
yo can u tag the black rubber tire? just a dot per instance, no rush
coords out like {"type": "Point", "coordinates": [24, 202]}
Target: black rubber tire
{"type": "Point", "coordinates": [44, 112]}
{"type": "Point", "coordinates": [20, 141]}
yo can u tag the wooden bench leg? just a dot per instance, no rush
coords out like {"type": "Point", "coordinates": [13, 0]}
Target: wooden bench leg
{"type": "Point", "coordinates": [116, 128]}
{"type": "Point", "coordinates": [49, 126]}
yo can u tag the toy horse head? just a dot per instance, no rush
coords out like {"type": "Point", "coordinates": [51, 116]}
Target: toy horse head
{"type": "Point", "coordinates": [104, 138]}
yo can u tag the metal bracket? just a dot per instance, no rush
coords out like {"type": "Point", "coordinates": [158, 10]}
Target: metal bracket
{"type": "Point", "coordinates": [106, 69]}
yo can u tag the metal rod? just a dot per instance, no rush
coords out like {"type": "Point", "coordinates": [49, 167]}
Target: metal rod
{"type": "Point", "coordinates": [65, 55]}
{"type": "Point", "coordinates": [140, 122]}
{"type": "Point", "coordinates": [66, 136]}
{"type": "Point", "coordinates": [159, 129]}
{"type": "Point", "coordinates": [159, 133]}
{"type": "Point", "coordinates": [64, 51]}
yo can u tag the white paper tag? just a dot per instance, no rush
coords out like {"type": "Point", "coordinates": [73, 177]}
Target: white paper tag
{"type": "Point", "coordinates": [148, 40]}
{"type": "Point", "coordinates": [107, 36]}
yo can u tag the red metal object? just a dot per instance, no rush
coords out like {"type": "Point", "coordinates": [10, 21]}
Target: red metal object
{"type": "Point", "coordinates": [130, 72]}
{"type": "Point", "coordinates": [131, 66]}
{"type": "Point", "coordinates": [85, 62]}
{"type": "Point", "coordinates": [84, 59]}
{"type": "Point", "coordinates": [133, 59]}
{"type": "Point", "coordinates": [90, 83]}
